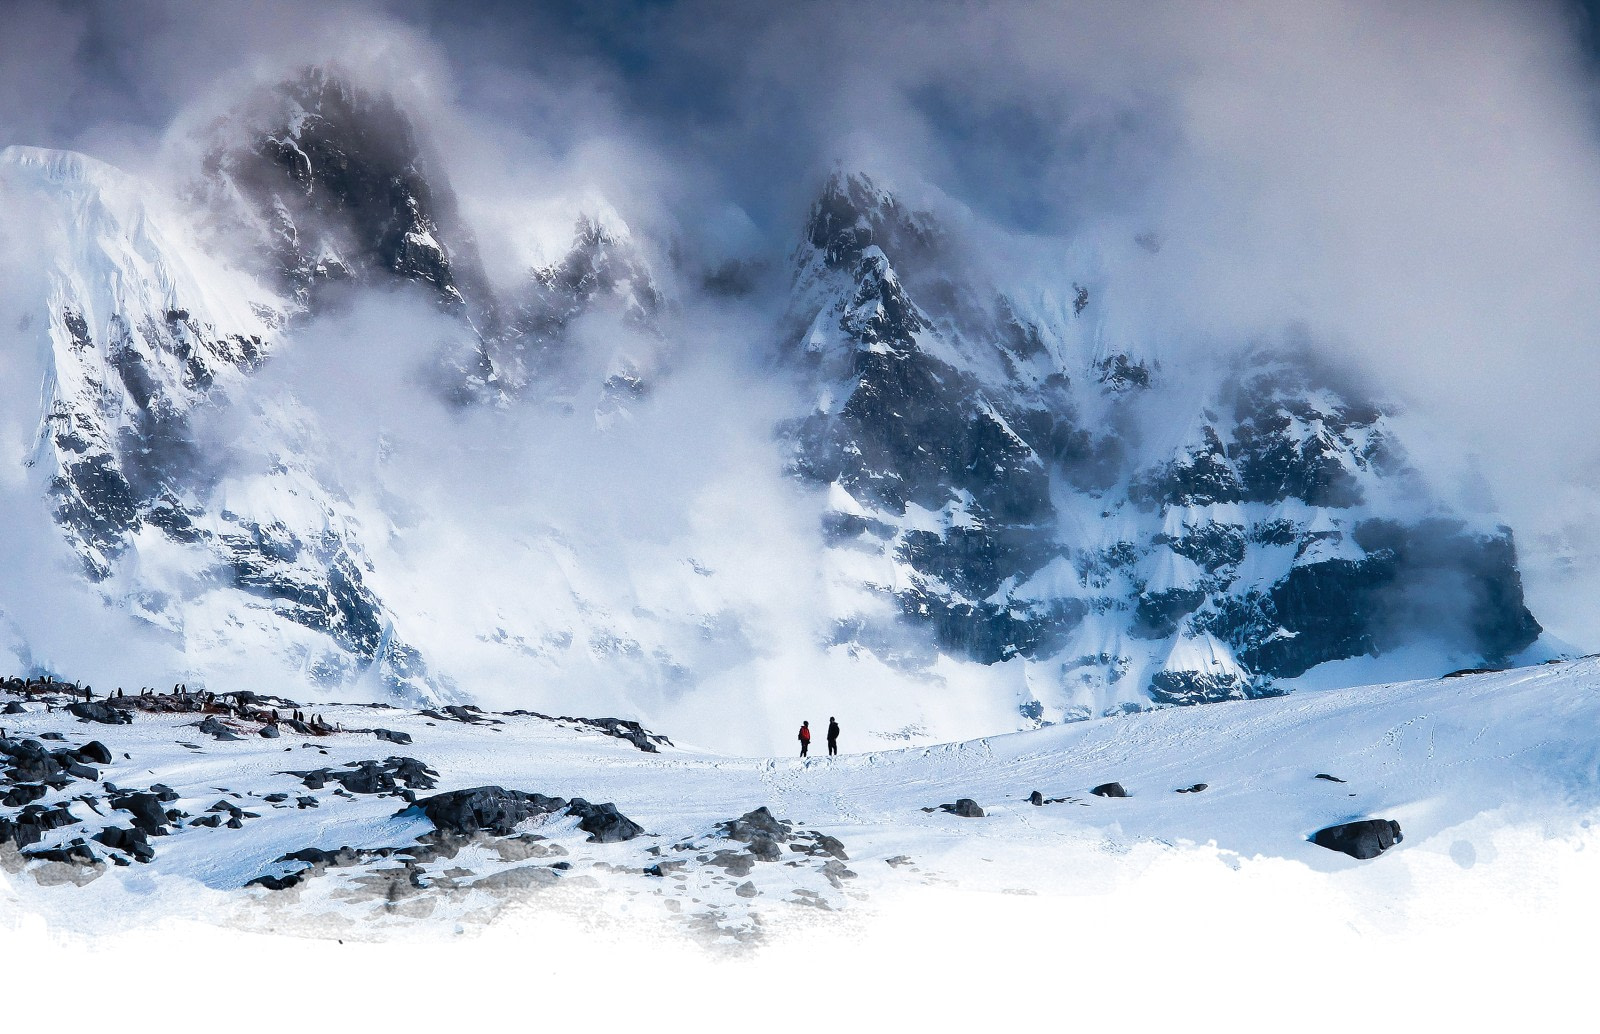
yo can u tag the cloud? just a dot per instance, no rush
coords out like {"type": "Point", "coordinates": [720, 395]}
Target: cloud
{"type": "Point", "coordinates": [1416, 186]}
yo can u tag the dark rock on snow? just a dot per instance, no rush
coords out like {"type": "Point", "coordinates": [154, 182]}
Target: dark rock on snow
{"type": "Point", "coordinates": [758, 823]}
{"type": "Point", "coordinates": [491, 809]}
{"type": "Point", "coordinates": [100, 711]}
{"type": "Point", "coordinates": [966, 807]}
{"type": "Point", "coordinates": [145, 809]}
{"type": "Point", "coordinates": [20, 794]}
{"type": "Point", "coordinates": [95, 752]}
{"type": "Point", "coordinates": [1109, 790]}
{"type": "Point", "coordinates": [1364, 838]}
{"type": "Point", "coordinates": [77, 852]}
{"type": "Point", "coordinates": [603, 823]}
{"type": "Point", "coordinates": [216, 729]}
{"type": "Point", "coordinates": [129, 841]}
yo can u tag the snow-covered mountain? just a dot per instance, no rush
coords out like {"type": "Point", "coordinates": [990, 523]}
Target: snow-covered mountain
{"type": "Point", "coordinates": [997, 497]}
{"type": "Point", "coordinates": [1027, 488]}
{"type": "Point", "coordinates": [142, 334]}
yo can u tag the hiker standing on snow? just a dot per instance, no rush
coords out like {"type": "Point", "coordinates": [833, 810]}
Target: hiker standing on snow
{"type": "Point", "coordinates": [805, 738]}
{"type": "Point", "coordinates": [833, 736]}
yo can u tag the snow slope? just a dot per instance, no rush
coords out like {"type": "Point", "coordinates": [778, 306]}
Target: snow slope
{"type": "Point", "coordinates": [1440, 756]}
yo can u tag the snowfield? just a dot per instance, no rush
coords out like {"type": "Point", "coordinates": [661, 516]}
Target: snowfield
{"type": "Point", "coordinates": [1448, 759]}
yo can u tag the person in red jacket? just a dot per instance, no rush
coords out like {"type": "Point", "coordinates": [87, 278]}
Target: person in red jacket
{"type": "Point", "coordinates": [805, 737]}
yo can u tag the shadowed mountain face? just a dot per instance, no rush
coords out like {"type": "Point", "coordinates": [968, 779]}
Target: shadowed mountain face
{"type": "Point", "coordinates": [1272, 526]}
{"type": "Point", "coordinates": [1010, 482]}
{"type": "Point", "coordinates": [338, 183]}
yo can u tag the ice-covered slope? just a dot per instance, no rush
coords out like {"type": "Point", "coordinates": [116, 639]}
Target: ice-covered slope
{"type": "Point", "coordinates": [1439, 757]}
{"type": "Point", "coordinates": [136, 327]}
{"type": "Point", "coordinates": [1031, 491]}
{"type": "Point", "coordinates": [141, 336]}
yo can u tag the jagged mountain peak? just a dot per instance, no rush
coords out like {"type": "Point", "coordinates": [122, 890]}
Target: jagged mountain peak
{"type": "Point", "coordinates": [331, 180]}
{"type": "Point", "coordinates": [603, 258]}
{"type": "Point", "coordinates": [853, 212]}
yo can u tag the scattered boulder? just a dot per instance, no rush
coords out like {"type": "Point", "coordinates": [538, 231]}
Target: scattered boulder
{"type": "Point", "coordinates": [491, 809]}
{"type": "Point", "coordinates": [758, 823]}
{"type": "Point", "coordinates": [78, 852]}
{"type": "Point", "coordinates": [145, 809]}
{"type": "Point", "coordinates": [836, 872]}
{"type": "Point", "coordinates": [53, 817]}
{"type": "Point", "coordinates": [94, 752]}
{"type": "Point", "coordinates": [401, 738]}
{"type": "Point", "coordinates": [100, 711]}
{"type": "Point", "coordinates": [966, 807]}
{"type": "Point", "coordinates": [746, 889]}
{"type": "Point", "coordinates": [318, 858]}
{"type": "Point", "coordinates": [19, 794]}
{"type": "Point", "coordinates": [830, 845]}
{"type": "Point", "coordinates": [1364, 838]}
{"type": "Point", "coordinates": [212, 727]}
{"type": "Point", "coordinates": [764, 849]}
{"type": "Point", "coordinates": [129, 841]}
{"type": "Point", "coordinates": [31, 763]}
{"type": "Point", "coordinates": [1329, 778]}
{"type": "Point", "coordinates": [1109, 790]}
{"type": "Point", "coordinates": [270, 731]}
{"type": "Point", "coordinates": [623, 729]}
{"type": "Point", "coordinates": [1036, 799]}
{"type": "Point", "coordinates": [1196, 788]}
{"type": "Point", "coordinates": [735, 863]}
{"type": "Point", "coordinates": [370, 777]}
{"type": "Point", "coordinates": [15, 707]}
{"type": "Point", "coordinates": [603, 823]}
{"type": "Point", "coordinates": [75, 768]}
{"type": "Point", "coordinates": [315, 861]}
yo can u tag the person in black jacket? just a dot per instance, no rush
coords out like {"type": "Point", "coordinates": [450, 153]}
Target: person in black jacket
{"type": "Point", "coordinates": [833, 736]}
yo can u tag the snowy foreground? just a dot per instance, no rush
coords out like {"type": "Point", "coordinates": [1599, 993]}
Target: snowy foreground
{"type": "Point", "coordinates": [1493, 778]}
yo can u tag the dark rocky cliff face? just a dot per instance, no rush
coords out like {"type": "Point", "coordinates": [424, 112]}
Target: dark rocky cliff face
{"type": "Point", "coordinates": [339, 176]}
{"type": "Point", "coordinates": [1255, 549]}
